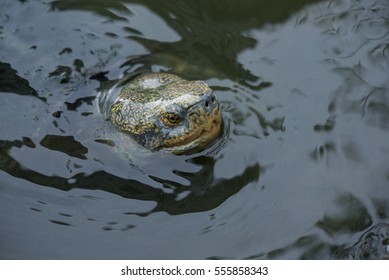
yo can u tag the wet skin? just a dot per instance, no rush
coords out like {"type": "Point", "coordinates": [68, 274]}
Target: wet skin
{"type": "Point", "coordinates": [163, 111]}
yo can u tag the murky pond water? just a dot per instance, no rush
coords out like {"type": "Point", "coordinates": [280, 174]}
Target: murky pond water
{"type": "Point", "coordinates": [302, 168]}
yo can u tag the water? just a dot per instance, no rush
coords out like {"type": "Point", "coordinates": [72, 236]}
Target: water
{"type": "Point", "coordinates": [301, 171]}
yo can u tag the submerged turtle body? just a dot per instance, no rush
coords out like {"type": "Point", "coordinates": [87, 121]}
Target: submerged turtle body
{"type": "Point", "coordinates": [163, 111]}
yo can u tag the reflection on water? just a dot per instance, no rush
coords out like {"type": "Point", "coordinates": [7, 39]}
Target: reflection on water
{"type": "Point", "coordinates": [301, 171]}
{"type": "Point", "coordinates": [208, 40]}
{"type": "Point", "coordinates": [11, 82]}
{"type": "Point", "coordinates": [374, 244]}
{"type": "Point", "coordinates": [351, 217]}
{"type": "Point", "coordinates": [202, 192]}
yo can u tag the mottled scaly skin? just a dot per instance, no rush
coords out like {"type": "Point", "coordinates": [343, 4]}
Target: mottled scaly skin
{"type": "Point", "coordinates": [163, 111]}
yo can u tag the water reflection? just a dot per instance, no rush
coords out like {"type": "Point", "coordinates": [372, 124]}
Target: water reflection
{"type": "Point", "coordinates": [300, 85]}
{"type": "Point", "coordinates": [12, 83]}
{"type": "Point", "coordinates": [209, 40]}
{"type": "Point", "coordinates": [101, 7]}
{"type": "Point", "coordinates": [356, 95]}
{"type": "Point", "coordinates": [65, 144]}
{"type": "Point", "coordinates": [364, 91]}
{"type": "Point", "coordinates": [373, 244]}
{"type": "Point", "coordinates": [204, 191]}
{"type": "Point", "coordinates": [350, 215]}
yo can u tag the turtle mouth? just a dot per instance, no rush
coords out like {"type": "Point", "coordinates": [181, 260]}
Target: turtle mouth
{"type": "Point", "coordinates": [206, 128]}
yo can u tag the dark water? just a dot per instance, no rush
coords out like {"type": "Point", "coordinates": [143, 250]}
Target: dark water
{"type": "Point", "coordinates": [303, 168]}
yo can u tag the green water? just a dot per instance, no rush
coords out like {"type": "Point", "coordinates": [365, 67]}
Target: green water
{"type": "Point", "coordinates": [302, 169]}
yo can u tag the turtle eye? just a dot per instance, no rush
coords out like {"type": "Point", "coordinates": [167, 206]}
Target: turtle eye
{"type": "Point", "coordinates": [172, 118]}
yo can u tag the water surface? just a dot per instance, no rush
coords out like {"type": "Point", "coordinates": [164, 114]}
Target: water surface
{"type": "Point", "coordinates": [302, 169]}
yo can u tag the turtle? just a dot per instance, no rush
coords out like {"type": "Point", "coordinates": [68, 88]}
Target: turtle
{"type": "Point", "coordinates": [162, 111]}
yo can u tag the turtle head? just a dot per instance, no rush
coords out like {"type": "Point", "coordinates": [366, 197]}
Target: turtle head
{"type": "Point", "coordinates": [171, 113]}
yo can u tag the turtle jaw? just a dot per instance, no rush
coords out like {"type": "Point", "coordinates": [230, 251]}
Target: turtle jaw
{"type": "Point", "coordinates": [203, 130]}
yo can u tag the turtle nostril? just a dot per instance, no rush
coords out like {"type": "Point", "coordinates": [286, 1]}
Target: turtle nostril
{"type": "Point", "coordinates": [209, 103]}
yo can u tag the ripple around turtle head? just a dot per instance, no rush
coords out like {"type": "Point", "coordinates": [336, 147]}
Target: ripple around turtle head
{"type": "Point", "coordinates": [108, 92]}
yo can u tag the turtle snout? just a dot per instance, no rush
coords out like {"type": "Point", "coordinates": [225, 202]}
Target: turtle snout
{"type": "Point", "coordinates": [210, 103]}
